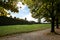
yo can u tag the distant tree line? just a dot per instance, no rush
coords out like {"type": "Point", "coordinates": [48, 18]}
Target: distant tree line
{"type": "Point", "coordinates": [13, 21]}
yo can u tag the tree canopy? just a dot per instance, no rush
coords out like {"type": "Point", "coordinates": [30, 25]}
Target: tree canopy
{"type": "Point", "coordinates": [9, 5]}
{"type": "Point", "coordinates": [45, 8]}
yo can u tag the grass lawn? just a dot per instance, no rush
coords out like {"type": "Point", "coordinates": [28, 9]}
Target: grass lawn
{"type": "Point", "coordinates": [11, 29]}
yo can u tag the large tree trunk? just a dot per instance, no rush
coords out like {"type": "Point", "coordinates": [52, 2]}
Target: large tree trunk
{"type": "Point", "coordinates": [52, 25]}
{"type": "Point", "coordinates": [52, 17]}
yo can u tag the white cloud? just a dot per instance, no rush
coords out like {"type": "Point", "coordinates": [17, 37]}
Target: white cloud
{"type": "Point", "coordinates": [30, 18]}
{"type": "Point", "coordinates": [27, 15]}
{"type": "Point", "coordinates": [42, 20]}
{"type": "Point", "coordinates": [19, 4]}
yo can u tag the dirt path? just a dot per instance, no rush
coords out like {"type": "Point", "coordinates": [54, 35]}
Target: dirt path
{"type": "Point", "coordinates": [38, 35]}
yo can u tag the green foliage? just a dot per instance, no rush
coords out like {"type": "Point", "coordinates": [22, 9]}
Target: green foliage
{"type": "Point", "coordinates": [43, 8]}
{"type": "Point", "coordinates": [9, 6]}
{"type": "Point", "coordinates": [12, 21]}
{"type": "Point", "coordinates": [3, 12]}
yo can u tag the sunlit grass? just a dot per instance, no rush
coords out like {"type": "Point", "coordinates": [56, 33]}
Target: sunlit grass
{"type": "Point", "coordinates": [11, 29]}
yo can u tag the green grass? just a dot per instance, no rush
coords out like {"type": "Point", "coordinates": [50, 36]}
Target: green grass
{"type": "Point", "coordinates": [11, 29]}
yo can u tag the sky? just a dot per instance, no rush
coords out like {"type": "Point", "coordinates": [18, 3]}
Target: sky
{"type": "Point", "coordinates": [24, 12]}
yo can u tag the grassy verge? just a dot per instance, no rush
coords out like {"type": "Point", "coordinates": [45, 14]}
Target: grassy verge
{"type": "Point", "coordinates": [11, 29]}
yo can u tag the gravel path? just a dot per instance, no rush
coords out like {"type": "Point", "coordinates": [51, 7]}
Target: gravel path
{"type": "Point", "coordinates": [38, 35]}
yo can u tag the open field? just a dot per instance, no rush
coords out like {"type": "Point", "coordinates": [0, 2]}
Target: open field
{"type": "Point", "coordinates": [11, 29]}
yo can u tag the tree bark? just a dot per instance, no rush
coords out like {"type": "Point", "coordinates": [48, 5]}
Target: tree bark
{"type": "Point", "coordinates": [52, 25]}
{"type": "Point", "coordinates": [52, 17]}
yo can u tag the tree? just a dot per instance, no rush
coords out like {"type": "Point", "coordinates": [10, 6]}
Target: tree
{"type": "Point", "coordinates": [57, 14]}
{"type": "Point", "coordinates": [3, 12]}
{"type": "Point", "coordinates": [7, 5]}
{"type": "Point", "coordinates": [10, 5]}
{"type": "Point", "coordinates": [44, 8]}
